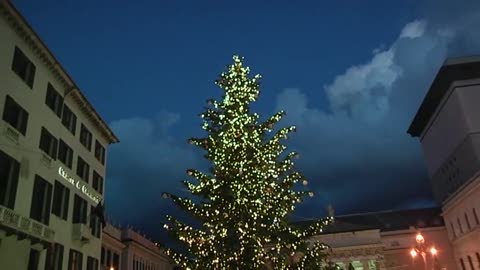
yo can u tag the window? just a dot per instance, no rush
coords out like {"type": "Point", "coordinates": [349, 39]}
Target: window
{"type": "Point", "coordinates": [97, 182]}
{"type": "Point", "coordinates": [453, 230]}
{"type": "Point", "coordinates": [109, 257]}
{"type": "Point", "coordinates": [116, 261]}
{"type": "Point", "coordinates": [41, 200]}
{"type": "Point", "coordinates": [54, 100]}
{"type": "Point", "coordinates": [23, 67]}
{"type": "Point", "coordinates": [83, 169]}
{"type": "Point", "coordinates": [33, 259]}
{"type": "Point", "coordinates": [460, 225]}
{"type": "Point", "coordinates": [95, 225]}
{"type": "Point", "coordinates": [468, 222]}
{"type": "Point", "coordinates": [86, 137]}
{"type": "Point", "coordinates": [61, 196]}
{"type": "Point", "coordinates": [65, 154]}
{"type": "Point", "coordinates": [15, 115]}
{"type": "Point", "coordinates": [470, 262]}
{"type": "Point", "coordinates": [462, 263]}
{"type": "Point", "coordinates": [69, 119]}
{"type": "Point", "coordinates": [48, 143]}
{"type": "Point", "coordinates": [92, 263]}
{"type": "Point", "coordinates": [79, 210]}
{"type": "Point", "coordinates": [99, 152]}
{"type": "Point", "coordinates": [9, 171]}
{"type": "Point", "coordinates": [102, 257]}
{"type": "Point", "coordinates": [75, 260]}
{"type": "Point", "coordinates": [475, 216]}
{"type": "Point", "coordinates": [54, 258]}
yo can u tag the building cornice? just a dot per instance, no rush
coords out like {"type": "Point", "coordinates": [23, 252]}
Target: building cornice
{"type": "Point", "coordinates": [455, 69]}
{"type": "Point", "coordinates": [26, 32]}
{"type": "Point", "coordinates": [113, 241]}
{"type": "Point", "coordinates": [413, 230]}
{"type": "Point", "coordinates": [155, 253]}
{"type": "Point", "coordinates": [462, 193]}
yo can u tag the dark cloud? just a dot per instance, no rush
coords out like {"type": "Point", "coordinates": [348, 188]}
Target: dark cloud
{"type": "Point", "coordinates": [147, 162]}
{"type": "Point", "coordinates": [356, 152]}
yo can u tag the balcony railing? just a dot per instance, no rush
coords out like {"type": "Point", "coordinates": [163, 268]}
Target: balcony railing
{"type": "Point", "coordinates": [11, 133]}
{"type": "Point", "coordinates": [21, 224]}
{"type": "Point", "coordinates": [81, 232]}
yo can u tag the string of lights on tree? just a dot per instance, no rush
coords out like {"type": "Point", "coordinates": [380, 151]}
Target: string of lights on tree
{"type": "Point", "coordinates": [243, 202]}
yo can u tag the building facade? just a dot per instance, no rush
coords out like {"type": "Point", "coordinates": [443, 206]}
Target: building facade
{"type": "Point", "coordinates": [448, 126]}
{"type": "Point", "coordinates": [384, 240]}
{"type": "Point", "coordinates": [112, 248]}
{"type": "Point", "coordinates": [53, 147]}
{"type": "Point", "coordinates": [125, 249]}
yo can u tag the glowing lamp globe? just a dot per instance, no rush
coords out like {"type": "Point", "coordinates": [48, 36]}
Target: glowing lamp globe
{"type": "Point", "coordinates": [420, 238]}
{"type": "Point", "coordinates": [413, 253]}
{"type": "Point", "coordinates": [434, 251]}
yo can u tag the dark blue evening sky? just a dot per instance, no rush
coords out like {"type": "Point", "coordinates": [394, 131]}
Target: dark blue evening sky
{"type": "Point", "coordinates": [141, 56]}
{"type": "Point", "coordinates": [350, 74]}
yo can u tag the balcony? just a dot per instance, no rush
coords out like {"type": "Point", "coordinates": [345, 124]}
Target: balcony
{"type": "Point", "coordinates": [11, 133]}
{"type": "Point", "coordinates": [24, 227]}
{"type": "Point", "coordinates": [81, 232]}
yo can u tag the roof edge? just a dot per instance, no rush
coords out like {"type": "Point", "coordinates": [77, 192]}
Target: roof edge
{"type": "Point", "coordinates": [452, 69]}
{"type": "Point", "coordinates": [51, 60]}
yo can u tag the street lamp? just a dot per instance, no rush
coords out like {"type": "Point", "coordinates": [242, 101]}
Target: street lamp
{"type": "Point", "coordinates": [421, 248]}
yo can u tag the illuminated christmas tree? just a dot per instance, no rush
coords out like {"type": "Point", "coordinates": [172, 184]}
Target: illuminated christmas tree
{"type": "Point", "coordinates": [242, 204]}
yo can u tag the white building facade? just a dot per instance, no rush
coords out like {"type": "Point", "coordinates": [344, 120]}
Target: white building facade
{"type": "Point", "coordinates": [448, 126]}
{"type": "Point", "coordinates": [125, 249]}
{"type": "Point", "coordinates": [52, 157]}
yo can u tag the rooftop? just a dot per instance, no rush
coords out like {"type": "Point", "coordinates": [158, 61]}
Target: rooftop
{"type": "Point", "coordinates": [391, 220]}
{"type": "Point", "coordinates": [454, 69]}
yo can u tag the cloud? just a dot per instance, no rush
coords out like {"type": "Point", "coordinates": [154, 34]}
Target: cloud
{"type": "Point", "coordinates": [147, 162]}
{"type": "Point", "coordinates": [414, 29]}
{"type": "Point", "coordinates": [362, 90]}
{"type": "Point", "coordinates": [356, 152]}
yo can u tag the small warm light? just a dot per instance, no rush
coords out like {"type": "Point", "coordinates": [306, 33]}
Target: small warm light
{"type": "Point", "coordinates": [111, 268]}
{"type": "Point", "coordinates": [434, 251]}
{"type": "Point", "coordinates": [413, 253]}
{"type": "Point", "coordinates": [420, 238]}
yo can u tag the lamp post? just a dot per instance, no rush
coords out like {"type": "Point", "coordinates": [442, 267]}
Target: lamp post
{"type": "Point", "coordinates": [422, 249]}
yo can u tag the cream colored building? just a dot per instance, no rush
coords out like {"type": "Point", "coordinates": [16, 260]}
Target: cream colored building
{"type": "Point", "coordinates": [383, 240]}
{"type": "Point", "coordinates": [126, 249]}
{"type": "Point", "coordinates": [448, 126]}
{"type": "Point", "coordinates": [52, 157]}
